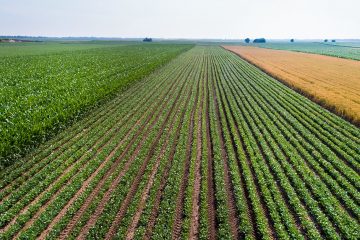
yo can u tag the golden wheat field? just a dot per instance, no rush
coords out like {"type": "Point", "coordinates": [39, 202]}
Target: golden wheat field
{"type": "Point", "coordinates": [331, 81]}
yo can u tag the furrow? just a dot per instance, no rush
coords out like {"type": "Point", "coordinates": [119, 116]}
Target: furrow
{"type": "Point", "coordinates": [195, 215]}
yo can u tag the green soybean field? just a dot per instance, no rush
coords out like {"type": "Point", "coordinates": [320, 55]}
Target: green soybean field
{"type": "Point", "coordinates": [206, 147]}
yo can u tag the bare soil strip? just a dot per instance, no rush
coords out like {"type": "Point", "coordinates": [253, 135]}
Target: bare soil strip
{"type": "Point", "coordinates": [53, 197]}
{"type": "Point", "coordinates": [304, 157]}
{"type": "Point", "coordinates": [156, 205]}
{"type": "Point", "coordinates": [280, 189]}
{"type": "Point", "coordinates": [33, 202]}
{"type": "Point", "coordinates": [80, 191]}
{"type": "Point", "coordinates": [195, 215]}
{"type": "Point", "coordinates": [210, 171]}
{"type": "Point", "coordinates": [59, 150]}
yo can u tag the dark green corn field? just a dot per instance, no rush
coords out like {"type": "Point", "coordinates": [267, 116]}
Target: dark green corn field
{"type": "Point", "coordinates": [51, 85]}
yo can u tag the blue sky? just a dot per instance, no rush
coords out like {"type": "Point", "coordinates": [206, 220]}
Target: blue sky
{"type": "Point", "coordinates": [182, 19]}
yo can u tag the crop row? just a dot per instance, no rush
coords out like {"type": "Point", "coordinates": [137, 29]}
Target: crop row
{"type": "Point", "coordinates": [42, 94]}
{"type": "Point", "coordinates": [207, 147]}
{"type": "Point", "coordinates": [248, 89]}
{"type": "Point", "coordinates": [46, 173]}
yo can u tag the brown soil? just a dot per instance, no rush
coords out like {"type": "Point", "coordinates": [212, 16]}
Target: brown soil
{"type": "Point", "coordinates": [210, 173]}
{"type": "Point", "coordinates": [35, 216]}
{"type": "Point", "coordinates": [28, 176]}
{"type": "Point", "coordinates": [283, 193]}
{"type": "Point", "coordinates": [195, 215]}
{"type": "Point", "coordinates": [163, 182]}
{"type": "Point", "coordinates": [310, 217]}
{"type": "Point", "coordinates": [264, 208]}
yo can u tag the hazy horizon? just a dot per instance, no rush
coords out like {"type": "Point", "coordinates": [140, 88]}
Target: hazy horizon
{"type": "Point", "coordinates": [228, 19]}
{"type": "Point", "coordinates": [190, 39]}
